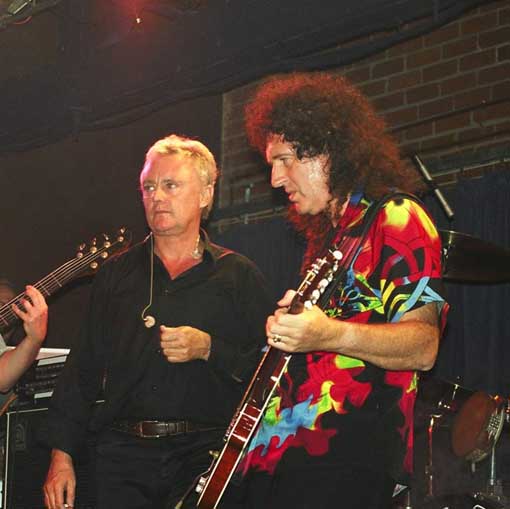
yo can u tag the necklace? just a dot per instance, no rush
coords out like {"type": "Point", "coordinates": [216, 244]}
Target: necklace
{"type": "Point", "coordinates": [196, 254]}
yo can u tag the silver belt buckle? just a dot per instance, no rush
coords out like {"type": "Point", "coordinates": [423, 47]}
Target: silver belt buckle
{"type": "Point", "coordinates": [140, 428]}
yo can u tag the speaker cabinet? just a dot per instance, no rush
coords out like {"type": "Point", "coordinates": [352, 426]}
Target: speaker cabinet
{"type": "Point", "coordinates": [26, 464]}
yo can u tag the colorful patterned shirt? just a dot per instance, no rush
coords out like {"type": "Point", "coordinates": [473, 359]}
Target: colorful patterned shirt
{"type": "Point", "coordinates": [330, 409]}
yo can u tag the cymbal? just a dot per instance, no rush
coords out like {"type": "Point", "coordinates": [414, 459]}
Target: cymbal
{"type": "Point", "coordinates": [472, 260]}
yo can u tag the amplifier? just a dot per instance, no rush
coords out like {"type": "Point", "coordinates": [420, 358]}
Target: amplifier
{"type": "Point", "coordinates": [40, 379]}
{"type": "Point", "coordinates": [26, 463]}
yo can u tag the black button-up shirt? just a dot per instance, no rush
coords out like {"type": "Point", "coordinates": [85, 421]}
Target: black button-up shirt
{"type": "Point", "coordinates": [225, 295]}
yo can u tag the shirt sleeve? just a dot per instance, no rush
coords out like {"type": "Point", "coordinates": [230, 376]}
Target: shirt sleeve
{"type": "Point", "coordinates": [410, 263]}
{"type": "Point", "coordinates": [253, 305]}
{"type": "Point", "coordinates": [70, 407]}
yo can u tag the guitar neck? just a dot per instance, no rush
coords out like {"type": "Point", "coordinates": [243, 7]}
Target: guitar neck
{"type": "Point", "coordinates": [51, 283]}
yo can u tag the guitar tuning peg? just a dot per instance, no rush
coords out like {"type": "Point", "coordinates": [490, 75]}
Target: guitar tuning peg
{"type": "Point", "coordinates": [79, 254]}
{"type": "Point", "coordinates": [93, 245]}
{"type": "Point", "coordinates": [106, 242]}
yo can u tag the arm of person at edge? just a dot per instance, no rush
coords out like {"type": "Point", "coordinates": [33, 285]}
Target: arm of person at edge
{"type": "Point", "coordinates": [34, 314]}
{"type": "Point", "coordinates": [410, 344]}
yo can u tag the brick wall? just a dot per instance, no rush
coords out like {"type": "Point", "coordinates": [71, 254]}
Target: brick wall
{"type": "Point", "coordinates": [445, 95]}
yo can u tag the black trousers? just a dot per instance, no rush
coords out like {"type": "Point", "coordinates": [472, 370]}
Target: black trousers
{"type": "Point", "coordinates": [143, 473]}
{"type": "Point", "coordinates": [312, 488]}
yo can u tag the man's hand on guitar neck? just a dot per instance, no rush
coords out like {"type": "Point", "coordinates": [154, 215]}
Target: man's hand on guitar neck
{"type": "Point", "coordinates": [34, 313]}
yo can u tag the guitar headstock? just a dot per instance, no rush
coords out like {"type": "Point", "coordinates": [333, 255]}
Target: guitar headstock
{"type": "Point", "coordinates": [100, 248]}
{"type": "Point", "coordinates": [317, 279]}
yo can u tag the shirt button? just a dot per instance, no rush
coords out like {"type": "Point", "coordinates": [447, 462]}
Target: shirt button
{"type": "Point", "coordinates": [159, 350]}
{"type": "Point", "coordinates": [154, 387]}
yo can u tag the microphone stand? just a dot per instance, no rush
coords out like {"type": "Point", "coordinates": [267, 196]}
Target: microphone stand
{"type": "Point", "coordinates": [433, 187]}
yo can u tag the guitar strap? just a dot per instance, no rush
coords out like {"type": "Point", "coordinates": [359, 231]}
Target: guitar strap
{"type": "Point", "coordinates": [350, 246]}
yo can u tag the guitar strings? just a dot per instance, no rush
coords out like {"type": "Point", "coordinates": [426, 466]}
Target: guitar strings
{"type": "Point", "coordinates": [50, 282]}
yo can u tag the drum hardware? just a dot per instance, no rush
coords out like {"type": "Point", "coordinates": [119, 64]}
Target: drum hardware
{"type": "Point", "coordinates": [477, 426]}
{"type": "Point", "coordinates": [469, 259]}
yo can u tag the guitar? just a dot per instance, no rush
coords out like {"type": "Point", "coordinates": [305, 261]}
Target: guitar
{"type": "Point", "coordinates": [212, 484]}
{"type": "Point", "coordinates": [84, 263]}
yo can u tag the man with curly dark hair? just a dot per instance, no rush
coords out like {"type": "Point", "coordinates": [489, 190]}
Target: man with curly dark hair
{"type": "Point", "coordinates": [338, 431]}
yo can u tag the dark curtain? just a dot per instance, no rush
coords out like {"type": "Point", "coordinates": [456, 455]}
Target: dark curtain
{"type": "Point", "coordinates": [274, 246]}
{"type": "Point", "coordinates": [475, 350]}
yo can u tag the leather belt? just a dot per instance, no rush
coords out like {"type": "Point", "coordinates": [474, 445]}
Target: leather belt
{"type": "Point", "coordinates": [159, 429]}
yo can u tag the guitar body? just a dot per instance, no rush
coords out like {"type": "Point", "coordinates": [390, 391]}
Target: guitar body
{"type": "Point", "coordinates": [212, 484]}
{"type": "Point", "coordinates": [242, 428]}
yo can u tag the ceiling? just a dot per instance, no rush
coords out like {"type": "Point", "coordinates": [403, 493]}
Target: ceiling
{"type": "Point", "coordinates": [68, 65]}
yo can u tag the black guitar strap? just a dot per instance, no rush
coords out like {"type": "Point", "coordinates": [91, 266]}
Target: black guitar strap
{"type": "Point", "coordinates": [350, 246]}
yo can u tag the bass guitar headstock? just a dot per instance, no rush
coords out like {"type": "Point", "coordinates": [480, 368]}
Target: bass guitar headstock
{"type": "Point", "coordinates": [100, 248]}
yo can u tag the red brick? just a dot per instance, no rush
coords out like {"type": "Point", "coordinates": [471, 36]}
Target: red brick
{"type": "Point", "coordinates": [426, 57]}
{"type": "Point", "coordinates": [490, 6]}
{"type": "Point", "coordinates": [438, 142]}
{"type": "Point", "coordinates": [406, 80]}
{"type": "Point", "coordinates": [443, 34]}
{"type": "Point", "coordinates": [420, 131]}
{"type": "Point", "coordinates": [241, 94]}
{"type": "Point", "coordinates": [494, 37]}
{"type": "Point", "coordinates": [480, 23]}
{"type": "Point", "coordinates": [373, 88]}
{"type": "Point", "coordinates": [234, 122]}
{"type": "Point", "coordinates": [453, 122]}
{"type": "Point", "coordinates": [234, 140]}
{"type": "Point", "coordinates": [402, 116]}
{"type": "Point", "coordinates": [388, 102]}
{"type": "Point", "coordinates": [439, 71]}
{"type": "Point", "coordinates": [460, 47]}
{"type": "Point", "coordinates": [434, 108]}
{"type": "Point", "coordinates": [500, 91]}
{"type": "Point", "coordinates": [388, 68]}
{"type": "Point", "coordinates": [359, 74]}
{"type": "Point", "coordinates": [406, 47]}
{"type": "Point", "coordinates": [477, 60]}
{"type": "Point", "coordinates": [504, 53]}
{"type": "Point", "coordinates": [497, 73]}
{"type": "Point", "coordinates": [423, 93]}
{"type": "Point", "coordinates": [458, 83]}
{"type": "Point", "coordinates": [501, 127]}
{"type": "Point", "coordinates": [491, 113]}
{"type": "Point", "coordinates": [236, 159]}
{"type": "Point", "coordinates": [472, 98]}
{"type": "Point", "coordinates": [504, 17]}
{"type": "Point", "coordinates": [472, 134]}
{"type": "Point", "coordinates": [409, 149]}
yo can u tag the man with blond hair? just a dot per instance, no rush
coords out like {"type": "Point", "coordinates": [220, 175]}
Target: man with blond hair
{"type": "Point", "coordinates": [173, 330]}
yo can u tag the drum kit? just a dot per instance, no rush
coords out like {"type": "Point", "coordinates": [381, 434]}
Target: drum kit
{"type": "Point", "coordinates": [468, 423]}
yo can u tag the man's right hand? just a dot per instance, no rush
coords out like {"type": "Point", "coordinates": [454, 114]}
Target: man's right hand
{"type": "Point", "coordinates": [60, 485]}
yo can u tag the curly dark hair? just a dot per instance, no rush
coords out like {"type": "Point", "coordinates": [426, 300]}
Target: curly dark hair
{"type": "Point", "coordinates": [322, 113]}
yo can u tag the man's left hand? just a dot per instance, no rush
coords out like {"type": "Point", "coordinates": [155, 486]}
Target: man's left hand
{"type": "Point", "coordinates": [183, 344]}
{"type": "Point", "coordinates": [34, 313]}
{"type": "Point", "coordinates": [303, 332]}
